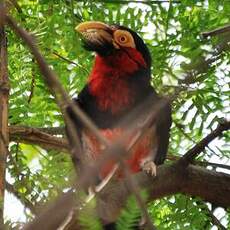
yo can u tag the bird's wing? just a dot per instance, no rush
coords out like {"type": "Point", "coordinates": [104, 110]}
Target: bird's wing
{"type": "Point", "coordinates": [77, 125]}
{"type": "Point", "coordinates": [163, 125]}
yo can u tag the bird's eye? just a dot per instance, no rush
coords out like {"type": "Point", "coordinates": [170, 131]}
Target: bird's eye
{"type": "Point", "coordinates": [123, 38]}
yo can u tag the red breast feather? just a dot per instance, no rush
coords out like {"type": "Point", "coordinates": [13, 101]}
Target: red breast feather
{"type": "Point", "coordinates": [108, 81]}
{"type": "Point", "coordinates": [136, 156]}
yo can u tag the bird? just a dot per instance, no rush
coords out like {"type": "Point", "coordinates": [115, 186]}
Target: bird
{"type": "Point", "coordinates": [119, 82]}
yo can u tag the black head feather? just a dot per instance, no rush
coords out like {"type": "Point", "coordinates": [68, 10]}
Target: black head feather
{"type": "Point", "coordinates": [140, 45]}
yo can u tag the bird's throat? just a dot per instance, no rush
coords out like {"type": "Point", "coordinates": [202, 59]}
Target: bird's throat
{"type": "Point", "coordinates": [109, 81]}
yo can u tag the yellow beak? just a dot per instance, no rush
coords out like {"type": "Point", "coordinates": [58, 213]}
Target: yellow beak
{"type": "Point", "coordinates": [93, 25]}
{"type": "Point", "coordinates": [95, 33]}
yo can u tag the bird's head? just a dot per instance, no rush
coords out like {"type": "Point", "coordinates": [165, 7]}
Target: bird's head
{"type": "Point", "coordinates": [115, 40]}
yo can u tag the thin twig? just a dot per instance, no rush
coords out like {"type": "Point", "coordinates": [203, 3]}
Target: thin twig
{"type": "Point", "coordinates": [65, 59]}
{"type": "Point", "coordinates": [211, 215]}
{"type": "Point", "coordinates": [70, 61]}
{"type": "Point", "coordinates": [215, 221]}
{"type": "Point", "coordinates": [179, 126]}
{"type": "Point", "coordinates": [32, 85]}
{"type": "Point", "coordinates": [201, 163]}
{"type": "Point", "coordinates": [17, 6]}
{"type": "Point", "coordinates": [129, 1]}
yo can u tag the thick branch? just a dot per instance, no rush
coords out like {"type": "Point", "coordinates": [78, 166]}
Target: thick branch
{"type": "Point", "coordinates": [35, 136]}
{"type": "Point", "coordinates": [200, 163]}
{"type": "Point", "coordinates": [195, 181]}
{"type": "Point", "coordinates": [172, 179]}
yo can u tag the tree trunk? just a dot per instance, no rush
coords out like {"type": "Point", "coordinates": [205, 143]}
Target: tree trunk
{"type": "Point", "coordinates": [4, 95]}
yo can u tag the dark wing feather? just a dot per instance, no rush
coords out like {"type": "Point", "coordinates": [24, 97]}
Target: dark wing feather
{"type": "Point", "coordinates": [163, 125]}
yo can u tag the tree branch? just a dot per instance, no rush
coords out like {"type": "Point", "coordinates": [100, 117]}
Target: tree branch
{"type": "Point", "coordinates": [53, 130]}
{"type": "Point", "coordinates": [70, 61]}
{"type": "Point", "coordinates": [54, 214]}
{"type": "Point", "coordinates": [199, 147]}
{"type": "Point", "coordinates": [214, 219]}
{"type": "Point", "coordinates": [129, 1]}
{"type": "Point", "coordinates": [51, 81]}
{"type": "Point", "coordinates": [4, 96]}
{"type": "Point", "coordinates": [214, 32]}
{"type": "Point", "coordinates": [172, 179]}
{"type": "Point", "coordinates": [200, 163]}
{"type": "Point", "coordinates": [35, 136]}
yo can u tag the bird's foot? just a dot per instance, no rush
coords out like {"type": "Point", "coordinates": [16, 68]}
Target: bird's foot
{"type": "Point", "coordinates": [150, 168]}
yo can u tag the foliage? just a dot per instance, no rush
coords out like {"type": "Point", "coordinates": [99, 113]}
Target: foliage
{"type": "Point", "coordinates": [182, 59]}
{"type": "Point", "coordinates": [131, 214]}
{"type": "Point", "coordinates": [175, 212]}
{"type": "Point", "coordinates": [87, 217]}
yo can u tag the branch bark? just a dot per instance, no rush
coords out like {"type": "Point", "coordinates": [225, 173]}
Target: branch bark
{"type": "Point", "coordinates": [214, 32]}
{"type": "Point", "coordinates": [35, 136]}
{"type": "Point", "coordinates": [172, 179]}
{"type": "Point", "coordinates": [4, 95]}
